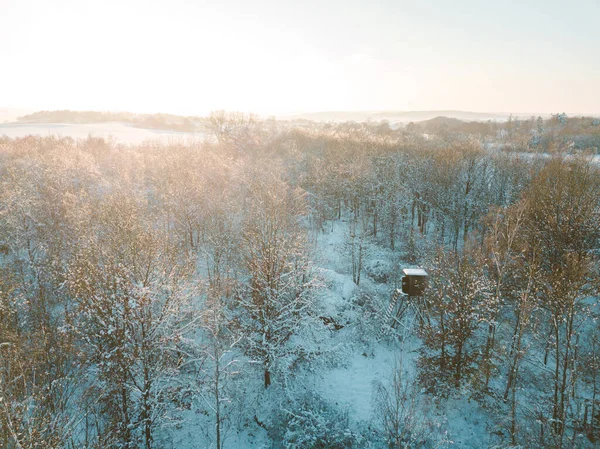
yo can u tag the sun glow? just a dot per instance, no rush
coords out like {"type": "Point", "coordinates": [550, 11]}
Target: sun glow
{"type": "Point", "coordinates": [274, 57]}
{"type": "Point", "coordinates": [103, 58]}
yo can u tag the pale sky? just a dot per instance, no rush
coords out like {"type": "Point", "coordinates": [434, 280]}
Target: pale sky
{"type": "Point", "coordinates": [283, 56]}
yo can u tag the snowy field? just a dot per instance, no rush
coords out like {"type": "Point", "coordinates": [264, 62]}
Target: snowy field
{"type": "Point", "coordinates": [121, 132]}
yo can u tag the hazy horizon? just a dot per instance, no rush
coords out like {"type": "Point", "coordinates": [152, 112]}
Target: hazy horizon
{"type": "Point", "coordinates": [10, 116]}
{"type": "Point", "coordinates": [280, 57]}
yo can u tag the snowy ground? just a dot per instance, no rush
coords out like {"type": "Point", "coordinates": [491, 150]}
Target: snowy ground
{"type": "Point", "coordinates": [121, 132]}
{"type": "Point", "coordinates": [351, 385]}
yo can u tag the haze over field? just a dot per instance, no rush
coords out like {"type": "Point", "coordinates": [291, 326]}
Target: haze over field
{"type": "Point", "coordinates": [121, 132]}
{"type": "Point", "coordinates": [8, 115]}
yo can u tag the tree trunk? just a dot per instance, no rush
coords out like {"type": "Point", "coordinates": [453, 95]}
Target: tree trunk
{"type": "Point", "coordinates": [513, 354]}
{"type": "Point", "coordinates": [592, 433]}
{"type": "Point", "coordinates": [146, 411]}
{"type": "Point", "coordinates": [487, 353]}
{"type": "Point", "coordinates": [443, 355]}
{"type": "Point", "coordinates": [126, 431]}
{"type": "Point", "coordinates": [565, 369]}
{"type": "Point", "coordinates": [217, 398]}
{"type": "Point", "coordinates": [374, 219]}
{"type": "Point", "coordinates": [459, 363]}
{"type": "Point", "coordinates": [513, 416]}
{"type": "Point", "coordinates": [556, 415]}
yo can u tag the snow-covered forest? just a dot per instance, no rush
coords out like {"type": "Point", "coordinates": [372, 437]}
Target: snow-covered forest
{"type": "Point", "coordinates": [235, 292]}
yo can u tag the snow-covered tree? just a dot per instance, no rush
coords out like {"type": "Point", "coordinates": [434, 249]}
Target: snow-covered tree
{"type": "Point", "coordinates": [562, 220]}
{"type": "Point", "coordinates": [456, 303]}
{"type": "Point", "coordinates": [217, 365]}
{"type": "Point", "coordinates": [128, 285]}
{"type": "Point", "coordinates": [274, 249]}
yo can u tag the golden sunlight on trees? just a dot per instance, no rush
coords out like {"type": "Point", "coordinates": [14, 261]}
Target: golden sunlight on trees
{"type": "Point", "coordinates": [234, 291]}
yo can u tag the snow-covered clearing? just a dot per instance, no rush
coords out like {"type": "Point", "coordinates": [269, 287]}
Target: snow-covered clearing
{"type": "Point", "coordinates": [121, 132]}
{"type": "Point", "coordinates": [351, 385]}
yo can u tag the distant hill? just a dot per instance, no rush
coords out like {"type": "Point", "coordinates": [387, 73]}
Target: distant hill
{"type": "Point", "coordinates": [450, 122]}
{"type": "Point", "coordinates": [149, 121]}
{"type": "Point", "coordinates": [193, 123]}
{"type": "Point", "coordinates": [442, 124]}
{"type": "Point", "coordinates": [399, 116]}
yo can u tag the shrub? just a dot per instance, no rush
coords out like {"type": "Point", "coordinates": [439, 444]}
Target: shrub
{"type": "Point", "coordinates": [311, 422]}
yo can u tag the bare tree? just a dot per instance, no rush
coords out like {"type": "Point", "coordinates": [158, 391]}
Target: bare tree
{"type": "Point", "coordinates": [218, 364]}
{"type": "Point", "coordinates": [403, 412]}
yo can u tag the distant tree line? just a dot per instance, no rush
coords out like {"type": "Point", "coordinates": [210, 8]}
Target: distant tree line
{"type": "Point", "coordinates": [150, 121]}
{"type": "Point", "coordinates": [535, 134]}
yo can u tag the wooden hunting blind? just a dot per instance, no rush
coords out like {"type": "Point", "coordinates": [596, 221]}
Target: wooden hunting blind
{"type": "Point", "coordinates": [415, 281]}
